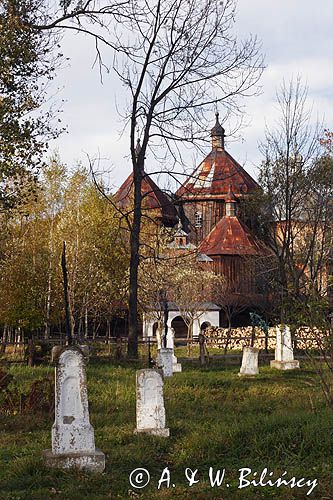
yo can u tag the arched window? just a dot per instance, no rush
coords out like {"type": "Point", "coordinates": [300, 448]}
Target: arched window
{"type": "Point", "coordinates": [180, 327]}
{"type": "Point", "coordinates": [205, 325]}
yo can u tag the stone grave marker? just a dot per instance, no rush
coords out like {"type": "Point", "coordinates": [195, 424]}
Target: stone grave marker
{"type": "Point", "coordinates": [164, 361]}
{"type": "Point", "coordinates": [150, 411]}
{"type": "Point", "coordinates": [284, 353]}
{"type": "Point", "coordinates": [249, 362]}
{"type": "Point", "coordinates": [73, 441]}
{"type": "Point", "coordinates": [176, 367]}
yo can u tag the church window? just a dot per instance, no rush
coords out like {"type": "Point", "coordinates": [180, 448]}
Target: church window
{"type": "Point", "coordinates": [198, 219]}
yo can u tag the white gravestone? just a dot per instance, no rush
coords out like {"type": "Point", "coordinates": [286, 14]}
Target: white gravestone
{"type": "Point", "coordinates": [73, 441]}
{"type": "Point", "coordinates": [284, 353]}
{"type": "Point", "coordinates": [249, 362]}
{"type": "Point", "coordinates": [150, 411]}
{"type": "Point", "coordinates": [176, 367]}
{"type": "Point", "coordinates": [164, 361]}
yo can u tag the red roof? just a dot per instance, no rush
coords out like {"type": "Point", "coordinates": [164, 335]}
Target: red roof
{"type": "Point", "coordinates": [152, 197]}
{"type": "Point", "coordinates": [231, 237]}
{"type": "Point", "coordinates": [215, 176]}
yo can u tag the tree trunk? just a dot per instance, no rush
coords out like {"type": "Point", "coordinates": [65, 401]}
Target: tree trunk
{"type": "Point", "coordinates": [79, 328]}
{"type": "Point", "coordinates": [31, 351]}
{"type": "Point", "coordinates": [16, 336]}
{"type": "Point", "coordinates": [69, 337]}
{"type": "Point", "coordinates": [253, 336]}
{"type": "Point", "coordinates": [86, 323]}
{"type": "Point", "coordinates": [4, 338]}
{"type": "Point", "coordinates": [133, 331]}
{"type": "Point", "coordinates": [266, 341]}
{"type": "Point", "coordinates": [227, 339]}
{"type": "Point", "coordinates": [49, 285]}
{"type": "Point", "coordinates": [118, 353]}
{"type": "Point", "coordinates": [189, 337]}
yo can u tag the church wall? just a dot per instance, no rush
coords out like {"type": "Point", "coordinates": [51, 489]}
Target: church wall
{"type": "Point", "coordinates": [211, 212]}
{"type": "Point", "coordinates": [238, 271]}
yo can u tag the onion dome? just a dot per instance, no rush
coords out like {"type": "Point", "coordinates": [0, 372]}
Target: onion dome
{"type": "Point", "coordinates": [217, 134]}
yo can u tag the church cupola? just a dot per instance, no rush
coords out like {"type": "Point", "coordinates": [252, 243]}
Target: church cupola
{"type": "Point", "coordinates": [180, 237]}
{"type": "Point", "coordinates": [137, 148]}
{"type": "Point", "coordinates": [217, 134]}
{"type": "Point", "coordinates": [230, 204]}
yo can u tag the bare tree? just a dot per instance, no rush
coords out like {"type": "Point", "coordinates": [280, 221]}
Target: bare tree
{"type": "Point", "coordinates": [177, 59]}
{"type": "Point", "coordinates": [233, 303]}
{"type": "Point", "coordinates": [81, 16]}
{"type": "Point", "coordinates": [299, 194]}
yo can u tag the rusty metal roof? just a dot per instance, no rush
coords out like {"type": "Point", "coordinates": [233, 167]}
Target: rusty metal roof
{"type": "Point", "coordinates": [230, 236]}
{"type": "Point", "coordinates": [215, 176]}
{"type": "Point", "coordinates": [153, 197]}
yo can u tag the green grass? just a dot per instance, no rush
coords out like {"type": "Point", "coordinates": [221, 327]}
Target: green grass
{"type": "Point", "coordinates": [216, 419]}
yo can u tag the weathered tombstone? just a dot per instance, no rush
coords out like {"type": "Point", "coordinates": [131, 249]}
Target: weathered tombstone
{"type": "Point", "coordinates": [249, 362]}
{"type": "Point", "coordinates": [73, 441]}
{"type": "Point", "coordinates": [164, 361]}
{"type": "Point", "coordinates": [150, 411]}
{"type": "Point", "coordinates": [284, 353]}
{"type": "Point", "coordinates": [176, 367]}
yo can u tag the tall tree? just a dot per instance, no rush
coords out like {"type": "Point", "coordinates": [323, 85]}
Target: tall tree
{"type": "Point", "coordinates": [177, 59]}
{"type": "Point", "coordinates": [64, 207]}
{"type": "Point", "coordinates": [53, 181]}
{"type": "Point", "coordinates": [97, 261]}
{"type": "Point", "coordinates": [298, 185]}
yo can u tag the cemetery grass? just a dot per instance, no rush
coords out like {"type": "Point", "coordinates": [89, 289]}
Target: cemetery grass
{"type": "Point", "coordinates": [216, 419]}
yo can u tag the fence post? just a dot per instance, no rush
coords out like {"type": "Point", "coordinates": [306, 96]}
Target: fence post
{"type": "Point", "coordinates": [118, 348]}
{"type": "Point", "coordinates": [150, 361]}
{"type": "Point", "coordinates": [202, 356]}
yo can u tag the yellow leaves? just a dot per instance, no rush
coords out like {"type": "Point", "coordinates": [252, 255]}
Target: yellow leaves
{"type": "Point", "coordinates": [68, 208]}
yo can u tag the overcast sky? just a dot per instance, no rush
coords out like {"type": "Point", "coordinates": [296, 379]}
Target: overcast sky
{"type": "Point", "coordinates": [296, 36]}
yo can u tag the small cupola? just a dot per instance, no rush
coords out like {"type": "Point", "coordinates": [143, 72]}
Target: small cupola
{"type": "Point", "coordinates": [217, 134]}
{"type": "Point", "coordinates": [137, 148]}
{"type": "Point", "coordinates": [180, 237]}
{"type": "Point", "coordinates": [230, 203]}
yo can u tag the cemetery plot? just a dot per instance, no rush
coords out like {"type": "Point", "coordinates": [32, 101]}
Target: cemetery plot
{"type": "Point", "coordinates": [216, 419]}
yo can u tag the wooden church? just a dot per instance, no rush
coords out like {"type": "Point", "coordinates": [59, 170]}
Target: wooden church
{"type": "Point", "coordinates": [209, 200]}
{"type": "Point", "coordinates": [205, 211]}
